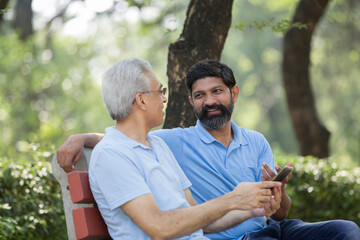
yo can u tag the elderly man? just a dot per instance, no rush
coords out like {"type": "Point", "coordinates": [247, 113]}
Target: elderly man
{"type": "Point", "coordinates": [216, 155]}
{"type": "Point", "coordinates": [140, 189]}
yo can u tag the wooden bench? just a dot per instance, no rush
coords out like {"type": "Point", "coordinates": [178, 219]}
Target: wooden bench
{"type": "Point", "coordinates": [83, 219]}
{"type": "Point", "coordinates": [88, 222]}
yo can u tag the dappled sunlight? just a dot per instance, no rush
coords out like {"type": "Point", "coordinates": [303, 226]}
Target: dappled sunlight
{"type": "Point", "coordinates": [50, 88]}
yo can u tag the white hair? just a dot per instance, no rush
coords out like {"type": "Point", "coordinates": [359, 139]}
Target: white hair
{"type": "Point", "coordinates": [121, 83]}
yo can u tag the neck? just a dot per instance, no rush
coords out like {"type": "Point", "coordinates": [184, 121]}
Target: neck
{"type": "Point", "coordinates": [134, 127]}
{"type": "Point", "coordinates": [223, 135]}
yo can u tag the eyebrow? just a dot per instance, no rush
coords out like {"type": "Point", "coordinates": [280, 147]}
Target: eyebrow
{"type": "Point", "coordinates": [217, 86]}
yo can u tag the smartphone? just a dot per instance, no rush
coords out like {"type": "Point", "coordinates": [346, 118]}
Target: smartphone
{"type": "Point", "coordinates": [283, 174]}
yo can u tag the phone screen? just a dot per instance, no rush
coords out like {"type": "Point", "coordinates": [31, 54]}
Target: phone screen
{"type": "Point", "coordinates": [283, 174]}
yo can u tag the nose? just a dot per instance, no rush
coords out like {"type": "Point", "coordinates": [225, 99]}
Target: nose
{"type": "Point", "coordinates": [209, 100]}
{"type": "Point", "coordinates": [164, 98]}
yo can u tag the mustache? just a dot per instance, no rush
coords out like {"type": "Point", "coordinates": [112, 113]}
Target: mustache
{"type": "Point", "coordinates": [213, 107]}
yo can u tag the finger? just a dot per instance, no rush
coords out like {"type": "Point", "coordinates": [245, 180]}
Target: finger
{"type": "Point", "coordinates": [267, 210]}
{"type": "Point", "coordinates": [273, 206]}
{"type": "Point", "coordinates": [287, 179]}
{"type": "Point", "coordinates": [73, 161]}
{"type": "Point", "coordinates": [290, 164]}
{"type": "Point", "coordinates": [66, 161]}
{"type": "Point", "coordinates": [61, 159]}
{"type": "Point", "coordinates": [267, 192]}
{"type": "Point", "coordinates": [268, 184]}
{"type": "Point", "coordinates": [268, 170]}
{"type": "Point", "coordinates": [58, 157]}
{"type": "Point", "coordinates": [265, 199]}
{"type": "Point", "coordinates": [277, 193]}
{"type": "Point", "coordinates": [77, 157]}
{"type": "Point", "coordinates": [265, 176]}
{"type": "Point", "coordinates": [258, 212]}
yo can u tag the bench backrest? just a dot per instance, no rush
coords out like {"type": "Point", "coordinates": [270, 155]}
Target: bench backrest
{"type": "Point", "coordinates": [62, 177]}
{"type": "Point", "coordinates": [88, 222]}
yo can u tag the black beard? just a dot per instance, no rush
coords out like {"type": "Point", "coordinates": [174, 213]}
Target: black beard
{"type": "Point", "coordinates": [217, 121]}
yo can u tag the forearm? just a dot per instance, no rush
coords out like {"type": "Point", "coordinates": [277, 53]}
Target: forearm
{"type": "Point", "coordinates": [285, 205]}
{"type": "Point", "coordinates": [201, 216]}
{"type": "Point", "coordinates": [71, 151]}
{"type": "Point", "coordinates": [91, 139]}
{"type": "Point", "coordinates": [229, 220]}
{"type": "Point", "coordinates": [215, 215]}
{"type": "Point", "coordinates": [178, 222]}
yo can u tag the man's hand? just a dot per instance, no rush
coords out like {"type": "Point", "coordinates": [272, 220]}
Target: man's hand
{"type": "Point", "coordinates": [248, 196]}
{"type": "Point", "coordinates": [274, 203]}
{"type": "Point", "coordinates": [285, 201]}
{"type": "Point", "coordinates": [258, 212]}
{"type": "Point", "coordinates": [70, 152]}
{"type": "Point", "coordinates": [268, 173]}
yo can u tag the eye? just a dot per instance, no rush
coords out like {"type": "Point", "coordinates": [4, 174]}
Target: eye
{"type": "Point", "coordinates": [217, 91]}
{"type": "Point", "coordinates": [198, 95]}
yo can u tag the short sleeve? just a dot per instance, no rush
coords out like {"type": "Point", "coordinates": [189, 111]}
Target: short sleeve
{"type": "Point", "coordinates": [266, 154]}
{"type": "Point", "coordinates": [118, 178]}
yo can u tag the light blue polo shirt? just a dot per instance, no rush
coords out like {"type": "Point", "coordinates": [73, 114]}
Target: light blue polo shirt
{"type": "Point", "coordinates": [215, 170]}
{"type": "Point", "coordinates": [122, 169]}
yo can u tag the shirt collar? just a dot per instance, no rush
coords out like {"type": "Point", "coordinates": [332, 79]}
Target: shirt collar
{"type": "Point", "coordinates": [238, 136]}
{"type": "Point", "coordinates": [119, 136]}
{"type": "Point", "coordinates": [208, 138]}
{"type": "Point", "coordinates": [203, 133]}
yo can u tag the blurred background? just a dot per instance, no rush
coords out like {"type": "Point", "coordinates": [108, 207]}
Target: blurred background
{"type": "Point", "coordinates": [53, 54]}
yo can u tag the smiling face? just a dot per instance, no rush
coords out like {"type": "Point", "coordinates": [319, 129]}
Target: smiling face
{"type": "Point", "coordinates": [213, 101]}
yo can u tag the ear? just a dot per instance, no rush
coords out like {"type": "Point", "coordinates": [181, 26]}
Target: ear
{"type": "Point", "coordinates": [235, 93]}
{"type": "Point", "coordinates": [140, 101]}
{"type": "Point", "coordinates": [191, 100]}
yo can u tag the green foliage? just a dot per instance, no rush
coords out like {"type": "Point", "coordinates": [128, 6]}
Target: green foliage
{"type": "Point", "coordinates": [256, 59]}
{"type": "Point", "coordinates": [30, 201]}
{"type": "Point", "coordinates": [4, 10]}
{"type": "Point", "coordinates": [320, 190]}
{"type": "Point", "coordinates": [335, 77]}
{"type": "Point", "coordinates": [31, 205]}
{"type": "Point", "coordinates": [282, 26]}
{"type": "Point", "coordinates": [42, 91]}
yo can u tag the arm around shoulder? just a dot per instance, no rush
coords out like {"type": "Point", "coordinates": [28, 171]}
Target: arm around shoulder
{"type": "Point", "coordinates": [71, 151]}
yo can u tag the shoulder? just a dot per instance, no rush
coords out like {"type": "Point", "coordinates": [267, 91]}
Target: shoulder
{"type": "Point", "coordinates": [166, 132]}
{"type": "Point", "coordinates": [249, 136]}
{"type": "Point", "coordinates": [161, 144]}
{"type": "Point", "coordinates": [111, 144]}
{"type": "Point", "coordinates": [170, 136]}
{"type": "Point", "coordinates": [154, 138]}
{"type": "Point", "coordinates": [109, 151]}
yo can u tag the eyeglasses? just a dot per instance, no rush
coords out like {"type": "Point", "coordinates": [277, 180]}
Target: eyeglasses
{"type": "Point", "coordinates": [162, 91]}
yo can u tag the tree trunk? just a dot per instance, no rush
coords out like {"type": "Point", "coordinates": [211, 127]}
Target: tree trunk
{"type": "Point", "coordinates": [312, 136]}
{"type": "Point", "coordinates": [3, 5]}
{"type": "Point", "coordinates": [23, 18]}
{"type": "Point", "coordinates": [205, 30]}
